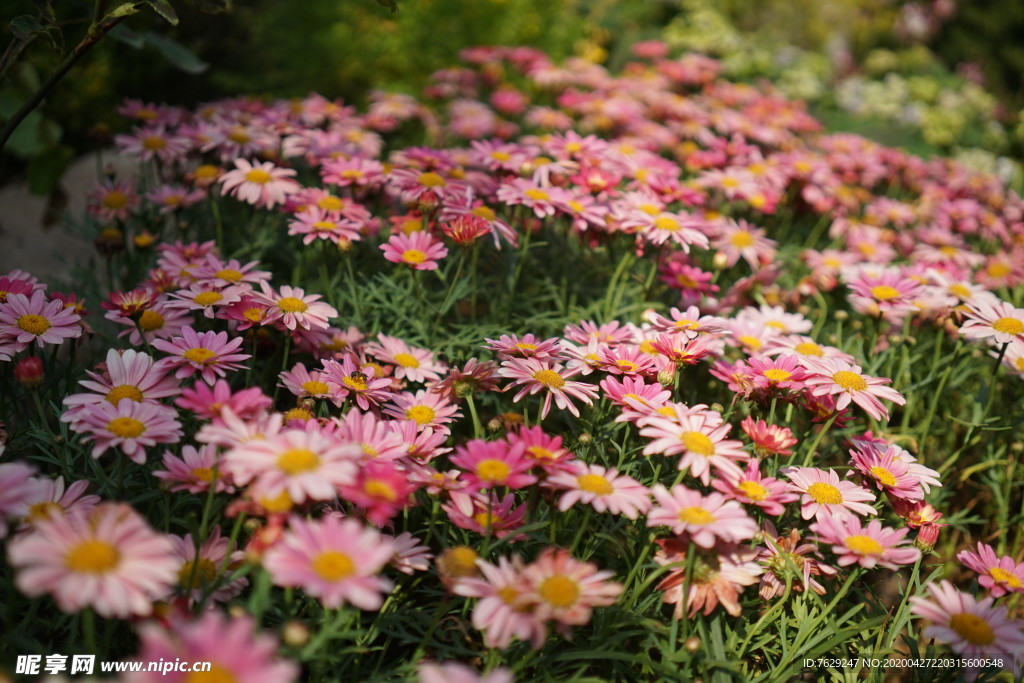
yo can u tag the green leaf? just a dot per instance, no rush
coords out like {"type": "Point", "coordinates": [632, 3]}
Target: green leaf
{"type": "Point", "coordinates": [165, 10]}
{"type": "Point", "coordinates": [26, 25]}
{"type": "Point", "coordinates": [125, 9]}
{"type": "Point", "coordinates": [177, 54]}
{"type": "Point", "coordinates": [392, 5]}
{"type": "Point", "coordinates": [123, 34]}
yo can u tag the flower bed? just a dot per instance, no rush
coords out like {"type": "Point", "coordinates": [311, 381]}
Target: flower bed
{"type": "Point", "coordinates": [556, 373]}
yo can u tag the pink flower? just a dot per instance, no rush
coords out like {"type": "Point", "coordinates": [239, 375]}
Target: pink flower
{"type": "Point", "coordinates": [490, 464]}
{"type": "Point", "coordinates": [50, 499]}
{"type": "Point", "coordinates": [544, 449]}
{"type": "Point", "coordinates": [700, 438]}
{"type": "Point", "coordinates": [127, 374]}
{"type": "Point", "coordinates": [130, 427]}
{"type": "Point", "coordinates": [890, 471]}
{"type": "Point", "coordinates": [108, 559]}
{"type": "Point", "coordinates": [786, 559]}
{"type": "Point", "coordinates": [18, 489]}
{"type": "Point", "coordinates": [207, 297]}
{"type": "Point", "coordinates": [333, 559]}
{"type": "Point", "coordinates": [566, 590]}
{"type": "Point", "coordinates": [535, 376]}
{"type": "Point", "coordinates": [209, 353]}
{"type": "Point", "coordinates": [381, 489]}
{"type": "Point", "coordinates": [833, 376]}
{"type": "Point", "coordinates": [824, 494]}
{"type": "Point", "coordinates": [972, 627]}
{"type": "Point", "coordinates": [264, 185]}
{"type": "Point", "coordinates": [867, 546]}
{"type": "Point", "coordinates": [739, 239]}
{"type": "Point", "coordinates": [768, 439]}
{"type": "Point", "coordinates": [209, 402]}
{"type": "Point", "coordinates": [348, 380]}
{"type": "Point", "coordinates": [194, 471]}
{"type": "Point", "coordinates": [603, 489]}
{"type": "Point", "coordinates": [485, 513]}
{"type": "Point", "coordinates": [411, 363]}
{"type": "Point", "coordinates": [702, 519]}
{"type": "Point", "coordinates": [719, 576]}
{"type": "Point", "coordinates": [1000, 321]}
{"type": "Point", "coordinates": [751, 488]}
{"type": "Point", "coordinates": [418, 250]}
{"type": "Point", "coordinates": [454, 672]}
{"type": "Point", "coordinates": [527, 346]}
{"type": "Point", "coordinates": [202, 570]}
{"type": "Point", "coordinates": [1000, 575]}
{"type": "Point", "coordinates": [888, 293]}
{"type": "Point", "coordinates": [235, 648]}
{"type": "Point", "coordinates": [24, 320]}
{"type": "Point", "coordinates": [425, 408]}
{"type": "Point", "coordinates": [294, 308]}
{"type": "Point", "coordinates": [500, 611]}
{"type": "Point", "coordinates": [784, 372]}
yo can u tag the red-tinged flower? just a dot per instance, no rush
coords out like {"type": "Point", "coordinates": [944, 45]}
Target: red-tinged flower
{"type": "Point", "coordinates": [485, 513]}
{"type": "Point", "coordinates": [534, 376]}
{"type": "Point", "coordinates": [681, 349]}
{"type": "Point", "coordinates": [208, 403]}
{"type": "Point", "coordinates": [129, 426]}
{"type": "Point", "coordinates": [973, 628]}
{"type": "Point", "coordinates": [107, 559]}
{"type": "Point", "coordinates": [130, 303]}
{"type": "Point", "coordinates": [194, 471]}
{"type": "Point", "coordinates": [492, 464]}
{"type": "Point", "coordinates": [868, 545]}
{"type": "Point", "coordinates": [262, 184]}
{"type": "Point", "coordinates": [544, 449]}
{"type": "Point", "coordinates": [824, 494]}
{"type": "Point", "coordinates": [419, 250]}
{"type": "Point", "coordinates": [333, 559]}
{"type": "Point", "coordinates": [474, 377]}
{"type": "Point", "coordinates": [999, 574]}
{"type": "Point", "coordinates": [783, 372]}
{"type": "Point", "coordinates": [788, 561]}
{"type": "Point", "coordinates": [719, 576]}
{"type": "Point", "coordinates": [836, 377]}
{"type": "Point", "coordinates": [751, 488]}
{"type": "Point", "coordinates": [208, 353]}
{"type": "Point", "coordinates": [702, 519]}
{"type": "Point", "coordinates": [466, 229]}
{"type": "Point", "coordinates": [892, 471]}
{"type": "Point", "coordinates": [768, 439]}
{"type": "Point", "coordinates": [603, 489]}
{"type": "Point", "coordinates": [28, 372]}
{"type": "Point", "coordinates": [381, 489]}
{"type": "Point", "coordinates": [24, 320]}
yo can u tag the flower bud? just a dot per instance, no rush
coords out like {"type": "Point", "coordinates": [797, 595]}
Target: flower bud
{"type": "Point", "coordinates": [692, 644]}
{"type": "Point", "coordinates": [294, 633]}
{"type": "Point", "coordinates": [29, 372]}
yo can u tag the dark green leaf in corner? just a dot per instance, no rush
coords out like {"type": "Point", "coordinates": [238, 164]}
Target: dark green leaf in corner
{"type": "Point", "coordinates": [165, 10]}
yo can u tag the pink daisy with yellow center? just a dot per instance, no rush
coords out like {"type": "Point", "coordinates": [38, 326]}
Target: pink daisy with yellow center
{"type": "Point", "coordinates": [418, 250]}
{"type": "Point", "coordinates": [831, 376]}
{"type": "Point", "coordinates": [867, 545]}
{"type": "Point", "coordinates": [703, 519]}
{"type": "Point", "coordinates": [824, 494]}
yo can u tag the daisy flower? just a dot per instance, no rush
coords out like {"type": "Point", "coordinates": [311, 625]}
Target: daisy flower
{"type": "Point", "coordinates": [293, 308]}
{"type": "Point", "coordinates": [824, 494]}
{"type": "Point", "coordinates": [889, 294]}
{"type": "Point", "coordinates": [702, 519]}
{"type": "Point", "coordinates": [333, 559]}
{"type": "Point", "coordinates": [410, 556]}
{"type": "Point", "coordinates": [306, 464]}
{"type": "Point", "coordinates": [24, 320]}
{"type": "Point", "coordinates": [18, 488]}
{"type": "Point", "coordinates": [107, 559]}
{"type": "Point", "coordinates": [129, 426]}
{"type": "Point", "coordinates": [972, 627]}
{"type": "Point", "coordinates": [892, 473]}
{"type": "Point", "coordinates": [455, 672]}
{"type": "Point", "coordinates": [499, 611]}
{"type": "Point", "coordinates": [566, 590]}
{"type": "Point", "coordinates": [784, 372]}
{"type": "Point", "coordinates": [208, 403]}
{"type": "Point", "coordinates": [1000, 575]}
{"type": "Point", "coordinates": [346, 379]}
{"type": "Point", "coordinates": [485, 513]}
{"type": "Point", "coordinates": [768, 439]}
{"type": "Point", "coordinates": [603, 489]}
{"type": "Point", "coordinates": [1000, 321]}
{"type": "Point", "coordinates": [785, 558]}
{"type": "Point", "coordinates": [206, 297]}
{"type": "Point", "coordinates": [739, 239]}
{"type": "Point", "coordinates": [544, 449]}
{"type": "Point", "coordinates": [829, 376]}
{"type": "Point", "coordinates": [535, 376]}
{"type": "Point", "coordinates": [699, 438]}
{"type": "Point", "coordinates": [201, 570]}
{"type": "Point", "coordinates": [869, 546]}
{"type": "Point", "coordinates": [162, 321]}
{"type": "Point", "coordinates": [419, 250]}
{"type": "Point", "coordinates": [528, 346]}
{"type": "Point", "coordinates": [411, 363]}
{"type": "Point", "coordinates": [751, 488]}
{"type": "Point", "coordinates": [128, 374]}
{"type": "Point", "coordinates": [50, 499]}
{"type": "Point", "coordinates": [426, 408]}
{"type": "Point", "coordinates": [490, 464]}
{"type": "Point", "coordinates": [380, 488]}
{"type": "Point", "coordinates": [371, 434]}
{"type": "Point", "coordinates": [305, 383]}
{"type": "Point", "coordinates": [194, 471]}
{"type": "Point", "coordinates": [474, 377]}
{"type": "Point", "coordinates": [262, 184]}
{"type": "Point", "coordinates": [208, 353]}
{"type": "Point", "coordinates": [719, 576]}
{"type": "Point", "coordinates": [233, 645]}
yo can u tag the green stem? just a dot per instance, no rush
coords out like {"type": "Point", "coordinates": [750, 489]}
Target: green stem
{"type": "Point", "coordinates": [817, 440]}
{"type": "Point", "coordinates": [478, 431]}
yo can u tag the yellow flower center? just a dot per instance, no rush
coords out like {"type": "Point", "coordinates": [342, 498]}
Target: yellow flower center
{"type": "Point", "coordinates": [115, 200]}
{"type": "Point", "coordinates": [151, 320]}
{"type": "Point", "coordinates": [115, 395]}
{"type": "Point", "coordinates": [809, 349]}
{"type": "Point", "coordinates": [206, 172]}
{"type": "Point", "coordinates": [777, 374]}
{"type": "Point", "coordinates": [560, 591]}
{"type": "Point", "coordinates": [324, 226]}
{"type": "Point", "coordinates": [297, 460]}
{"type": "Point", "coordinates": [205, 572]}
{"type": "Point", "coordinates": [460, 560]}
{"type": "Point", "coordinates": [314, 387]}
{"type": "Point", "coordinates": [850, 381]}
{"type": "Point", "coordinates": [696, 515]}
{"type": "Point", "coordinates": [537, 195]}
{"type": "Point", "coordinates": [972, 628]}
{"type": "Point", "coordinates": [594, 483]}
{"type": "Point", "coordinates": [667, 224]}
{"type": "Point", "coordinates": [823, 493]}
{"type": "Point", "coordinates": [1000, 574]}
{"type": "Point", "coordinates": [126, 427]}
{"type": "Point", "coordinates": [508, 594]}
{"type": "Point", "coordinates": [492, 470]}
{"type": "Point", "coordinates": [207, 298]}
{"type": "Point", "coordinates": [431, 179]}
{"type": "Point", "coordinates": [93, 557]}
{"type": "Point", "coordinates": [627, 365]}
{"type": "Point", "coordinates": [298, 413]}
{"type": "Point", "coordinates": [202, 474]}
{"type": "Point", "coordinates": [356, 384]}
{"type": "Point", "coordinates": [47, 510]}
{"type": "Point", "coordinates": [1004, 325]}
{"type": "Point", "coordinates": [352, 174]}
{"type": "Point", "coordinates": [526, 347]}
{"type": "Point", "coordinates": [253, 315]}
{"type": "Point", "coordinates": [864, 545]}
{"type": "Point", "coordinates": [238, 135]}
{"type": "Point", "coordinates": [280, 503]}
{"type": "Point", "coordinates": [34, 324]}
{"type": "Point", "coordinates": [484, 212]}
{"type": "Point", "coordinates": [649, 209]}
{"type": "Point", "coordinates": [198, 355]}
{"type": "Point", "coordinates": [960, 291]}
{"type": "Point", "coordinates": [486, 520]}
{"type": "Point", "coordinates": [750, 341]}
{"type": "Point", "coordinates": [884, 476]}
{"type": "Point", "coordinates": [540, 453]}
{"type": "Point", "coordinates": [998, 269]}
{"type": "Point", "coordinates": [422, 414]}
{"type": "Point", "coordinates": [258, 176]}
{"type": "Point", "coordinates": [153, 142]}
{"type": "Point", "coordinates": [698, 443]}
{"type": "Point", "coordinates": [741, 239]}
{"type": "Point", "coordinates": [216, 674]}
{"type": "Point", "coordinates": [229, 274]}
{"type": "Point", "coordinates": [753, 490]}
{"type": "Point", "coordinates": [413, 256]}
{"type": "Point", "coordinates": [406, 360]}
{"type": "Point", "coordinates": [549, 378]}
{"type": "Point", "coordinates": [885, 292]}
{"type": "Point", "coordinates": [290, 304]}
{"type": "Point", "coordinates": [332, 565]}
{"type": "Point", "coordinates": [330, 203]}
{"type": "Point", "coordinates": [381, 490]}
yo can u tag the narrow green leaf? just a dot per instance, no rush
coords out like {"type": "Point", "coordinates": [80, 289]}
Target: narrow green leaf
{"type": "Point", "coordinates": [179, 56]}
{"type": "Point", "coordinates": [165, 10]}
